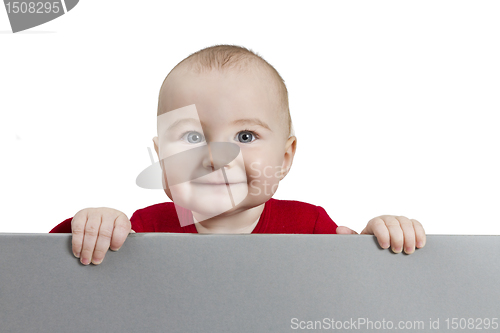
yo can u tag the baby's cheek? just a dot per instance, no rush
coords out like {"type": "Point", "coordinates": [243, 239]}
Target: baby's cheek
{"type": "Point", "coordinates": [164, 182]}
{"type": "Point", "coordinates": [262, 178]}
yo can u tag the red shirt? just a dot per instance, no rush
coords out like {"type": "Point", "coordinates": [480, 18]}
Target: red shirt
{"type": "Point", "coordinates": [278, 217]}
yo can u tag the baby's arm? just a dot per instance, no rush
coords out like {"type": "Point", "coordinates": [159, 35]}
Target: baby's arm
{"type": "Point", "coordinates": [95, 230]}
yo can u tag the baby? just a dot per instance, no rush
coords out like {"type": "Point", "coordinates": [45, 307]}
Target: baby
{"type": "Point", "coordinates": [225, 141]}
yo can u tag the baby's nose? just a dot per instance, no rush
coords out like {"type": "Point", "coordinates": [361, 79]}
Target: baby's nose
{"type": "Point", "coordinates": [210, 162]}
{"type": "Point", "coordinates": [220, 155]}
{"type": "Point", "coordinates": [207, 162]}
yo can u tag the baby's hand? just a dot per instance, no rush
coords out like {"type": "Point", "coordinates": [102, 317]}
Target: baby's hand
{"type": "Point", "coordinates": [396, 231]}
{"type": "Point", "coordinates": [95, 229]}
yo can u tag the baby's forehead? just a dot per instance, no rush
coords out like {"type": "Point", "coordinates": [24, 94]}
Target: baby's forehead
{"type": "Point", "coordinates": [235, 93]}
{"type": "Point", "coordinates": [167, 119]}
{"type": "Point", "coordinates": [242, 92]}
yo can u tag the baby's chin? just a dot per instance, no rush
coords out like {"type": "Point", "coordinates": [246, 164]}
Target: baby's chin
{"type": "Point", "coordinates": [204, 213]}
{"type": "Point", "coordinates": [207, 200]}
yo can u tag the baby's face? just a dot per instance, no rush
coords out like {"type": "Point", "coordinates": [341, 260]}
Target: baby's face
{"type": "Point", "coordinates": [222, 142]}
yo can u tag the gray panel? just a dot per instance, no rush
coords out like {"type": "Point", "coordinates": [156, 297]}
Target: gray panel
{"type": "Point", "coordinates": [161, 282]}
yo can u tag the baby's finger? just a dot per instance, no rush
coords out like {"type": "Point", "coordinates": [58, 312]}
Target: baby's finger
{"type": "Point", "coordinates": [121, 230]}
{"type": "Point", "coordinates": [377, 227]}
{"type": "Point", "coordinates": [419, 233]}
{"type": "Point", "coordinates": [103, 239]}
{"type": "Point", "coordinates": [396, 233]}
{"type": "Point", "coordinates": [408, 234]}
{"type": "Point", "coordinates": [77, 231]}
{"type": "Point", "coordinates": [90, 237]}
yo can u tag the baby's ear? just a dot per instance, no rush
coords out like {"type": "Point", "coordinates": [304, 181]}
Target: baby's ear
{"type": "Point", "coordinates": [290, 147]}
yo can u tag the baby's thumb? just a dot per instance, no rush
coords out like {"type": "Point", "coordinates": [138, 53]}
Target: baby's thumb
{"type": "Point", "coordinates": [132, 231]}
{"type": "Point", "coordinates": [345, 231]}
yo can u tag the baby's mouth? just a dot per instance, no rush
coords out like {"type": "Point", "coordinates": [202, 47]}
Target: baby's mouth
{"type": "Point", "coordinates": [216, 183]}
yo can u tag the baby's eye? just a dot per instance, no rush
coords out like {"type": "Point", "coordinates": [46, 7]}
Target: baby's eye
{"type": "Point", "coordinates": [193, 137]}
{"type": "Point", "coordinates": [246, 136]}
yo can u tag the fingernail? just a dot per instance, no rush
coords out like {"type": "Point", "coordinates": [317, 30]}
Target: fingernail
{"type": "Point", "coordinates": [97, 262]}
{"type": "Point", "coordinates": [76, 254]}
{"type": "Point", "coordinates": [420, 243]}
{"type": "Point", "coordinates": [385, 245]}
{"type": "Point", "coordinates": [85, 261]}
{"type": "Point", "coordinates": [409, 250]}
{"type": "Point", "coordinates": [396, 249]}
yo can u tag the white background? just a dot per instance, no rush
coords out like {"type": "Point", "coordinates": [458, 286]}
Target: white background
{"type": "Point", "coordinates": [395, 105]}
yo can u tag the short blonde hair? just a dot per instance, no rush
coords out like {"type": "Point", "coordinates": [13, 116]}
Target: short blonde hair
{"type": "Point", "coordinates": [232, 57]}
